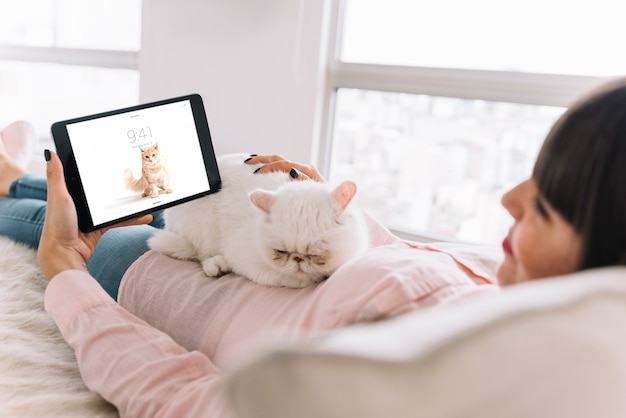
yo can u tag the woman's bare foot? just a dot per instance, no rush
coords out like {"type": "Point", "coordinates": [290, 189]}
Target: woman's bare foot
{"type": "Point", "coordinates": [17, 144]}
{"type": "Point", "coordinates": [9, 171]}
{"type": "Point", "coordinates": [19, 139]}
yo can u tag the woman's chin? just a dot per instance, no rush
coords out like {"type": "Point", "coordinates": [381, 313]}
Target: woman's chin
{"type": "Point", "coordinates": [504, 274]}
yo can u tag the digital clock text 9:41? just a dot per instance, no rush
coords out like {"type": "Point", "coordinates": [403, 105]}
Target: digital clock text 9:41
{"type": "Point", "coordinates": [142, 135]}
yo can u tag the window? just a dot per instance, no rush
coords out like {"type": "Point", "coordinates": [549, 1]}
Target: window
{"type": "Point", "coordinates": [437, 108]}
{"type": "Point", "coordinates": [65, 58]}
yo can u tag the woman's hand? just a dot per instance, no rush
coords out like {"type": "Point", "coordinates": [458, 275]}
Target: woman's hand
{"type": "Point", "coordinates": [297, 171]}
{"type": "Point", "coordinates": [62, 246]}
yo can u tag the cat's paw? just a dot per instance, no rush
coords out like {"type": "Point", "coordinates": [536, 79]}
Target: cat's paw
{"type": "Point", "coordinates": [172, 244]}
{"type": "Point", "coordinates": [215, 266]}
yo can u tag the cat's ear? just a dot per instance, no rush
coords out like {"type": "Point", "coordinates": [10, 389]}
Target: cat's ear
{"type": "Point", "coordinates": [344, 193]}
{"type": "Point", "coordinates": [156, 146]}
{"type": "Point", "coordinates": [262, 200]}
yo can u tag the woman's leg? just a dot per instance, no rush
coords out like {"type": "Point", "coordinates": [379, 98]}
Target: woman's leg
{"type": "Point", "coordinates": [29, 187]}
{"type": "Point", "coordinates": [23, 211]}
{"type": "Point", "coordinates": [117, 249]}
{"type": "Point", "coordinates": [22, 220]}
{"type": "Point", "coordinates": [22, 197]}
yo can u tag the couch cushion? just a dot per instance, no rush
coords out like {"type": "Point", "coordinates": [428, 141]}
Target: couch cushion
{"type": "Point", "coordinates": [553, 348]}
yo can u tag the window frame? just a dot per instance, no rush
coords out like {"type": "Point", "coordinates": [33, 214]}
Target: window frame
{"type": "Point", "coordinates": [114, 59]}
{"type": "Point", "coordinates": [490, 85]}
{"type": "Point", "coordinates": [126, 60]}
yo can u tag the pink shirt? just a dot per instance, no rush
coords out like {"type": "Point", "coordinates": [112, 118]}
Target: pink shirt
{"type": "Point", "coordinates": [169, 362]}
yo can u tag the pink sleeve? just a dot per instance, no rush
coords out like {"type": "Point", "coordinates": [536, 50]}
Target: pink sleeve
{"type": "Point", "coordinates": [131, 364]}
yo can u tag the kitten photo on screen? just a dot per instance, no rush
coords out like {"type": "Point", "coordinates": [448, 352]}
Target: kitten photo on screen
{"type": "Point", "coordinates": [266, 228]}
{"type": "Point", "coordinates": [154, 173]}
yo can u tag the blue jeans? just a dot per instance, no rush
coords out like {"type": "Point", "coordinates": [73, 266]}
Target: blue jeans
{"type": "Point", "coordinates": [22, 214]}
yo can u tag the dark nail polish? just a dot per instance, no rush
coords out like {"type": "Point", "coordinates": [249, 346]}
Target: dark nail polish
{"type": "Point", "coordinates": [247, 159]}
{"type": "Point", "coordinates": [257, 170]}
{"type": "Point", "coordinates": [253, 155]}
{"type": "Point", "coordinates": [294, 173]}
{"type": "Point", "coordinates": [46, 154]}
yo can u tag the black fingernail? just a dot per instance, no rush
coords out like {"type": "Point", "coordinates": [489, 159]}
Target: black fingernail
{"type": "Point", "coordinates": [257, 170]}
{"type": "Point", "coordinates": [46, 154]}
{"type": "Point", "coordinates": [247, 159]}
{"type": "Point", "coordinates": [294, 173]}
{"type": "Point", "coordinates": [253, 155]}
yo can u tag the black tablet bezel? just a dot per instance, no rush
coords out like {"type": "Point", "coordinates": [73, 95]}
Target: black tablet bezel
{"type": "Point", "coordinates": [72, 176]}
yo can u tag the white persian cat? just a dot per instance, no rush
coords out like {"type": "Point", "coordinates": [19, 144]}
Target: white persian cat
{"type": "Point", "coordinates": [265, 227]}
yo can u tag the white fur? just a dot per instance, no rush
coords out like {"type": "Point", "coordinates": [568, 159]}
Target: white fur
{"type": "Point", "coordinates": [238, 228]}
{"type": "Point", "coordinates": [39, 376]}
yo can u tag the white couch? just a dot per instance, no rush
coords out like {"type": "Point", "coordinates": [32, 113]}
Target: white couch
{"type": "Point", "coordinates": [550, 348]}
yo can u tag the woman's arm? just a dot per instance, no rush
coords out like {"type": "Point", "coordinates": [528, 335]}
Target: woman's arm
{"type": "Point", "coordinates": [139, 369]}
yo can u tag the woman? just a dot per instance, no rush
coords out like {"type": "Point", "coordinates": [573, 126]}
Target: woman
{"type": "Point", "coordinates": [570, 215]}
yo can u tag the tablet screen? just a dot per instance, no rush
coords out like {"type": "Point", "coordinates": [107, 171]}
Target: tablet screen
{"type": "Point", "coordinates": [137, 160]}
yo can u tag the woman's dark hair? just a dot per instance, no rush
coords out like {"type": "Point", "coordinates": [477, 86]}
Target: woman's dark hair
{"type": "Point", "coordinates": [581, 172]}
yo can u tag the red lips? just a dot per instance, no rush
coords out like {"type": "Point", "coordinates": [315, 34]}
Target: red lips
{"type": "Point", "coordinates": [506, 246]}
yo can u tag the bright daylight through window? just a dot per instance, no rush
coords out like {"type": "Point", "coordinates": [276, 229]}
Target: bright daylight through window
{"type": "Point", "coordinates": [440, 107]}
{"type": "Point", "coordinates": [66, 58]}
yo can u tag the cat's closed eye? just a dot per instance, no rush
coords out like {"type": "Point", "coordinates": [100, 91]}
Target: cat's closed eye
{"type": "Point", "coordinates": [320, 260]}
{"type": "Point", "coordinates": [280, 254]}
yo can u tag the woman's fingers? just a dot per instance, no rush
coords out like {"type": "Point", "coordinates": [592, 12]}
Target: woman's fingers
{"type": "Point", "coordinates": [264, 159]}
{"type": "Point", "coordinates": [143, 220]}
{"type": "Point", "coordinates": [298, 175]}
{"type": "Point", "coordinates": [295, 170]}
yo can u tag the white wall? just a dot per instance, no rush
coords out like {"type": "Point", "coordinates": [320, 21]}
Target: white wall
{"type": "Point", "coordinates": [256, 63]}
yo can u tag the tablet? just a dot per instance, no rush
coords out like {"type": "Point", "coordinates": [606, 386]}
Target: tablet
{"type": "Point", "coordinates": [129, 162]}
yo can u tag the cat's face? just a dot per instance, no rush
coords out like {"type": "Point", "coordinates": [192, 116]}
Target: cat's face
{"type": "Point", "coordinates": [308, 262]}
{"type": "Point", "coordinates": [150, 155]}
{"type": "Point", "coordinates": [307, 232]}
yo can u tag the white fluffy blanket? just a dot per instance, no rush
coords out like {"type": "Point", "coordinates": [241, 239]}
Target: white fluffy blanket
{"type": "Point", "coordinates": [38, 372]}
